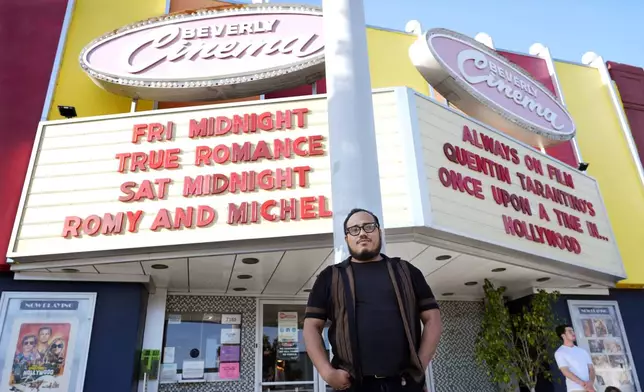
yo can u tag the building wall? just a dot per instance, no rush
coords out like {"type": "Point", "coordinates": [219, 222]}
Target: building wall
{"type": "Point", "coordinates": [629, 81]}
{"type": "Point", "coordinates": [25, 68]}
{"type": "Point", "coordinates": [603, 145]}
{"type": "Point", "coordinates": [247, 306]}
{"type": "Point", "coordinates": [91, 19]}
{"type": "Point", "coordinates": [117, 331]}
{"type": "Point", "coordinates": [389, 63]}
{"type": "Point", "coordinates": [455, 369]}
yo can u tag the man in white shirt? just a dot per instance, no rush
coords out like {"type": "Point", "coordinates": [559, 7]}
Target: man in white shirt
{"type": "Point", "coordinates": [574, 362]}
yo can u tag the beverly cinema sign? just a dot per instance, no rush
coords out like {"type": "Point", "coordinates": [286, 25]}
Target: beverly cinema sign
{"type": "Point", "coordinates": [217, 53]}
{"type": "Point", "coordinates": [490, 88]}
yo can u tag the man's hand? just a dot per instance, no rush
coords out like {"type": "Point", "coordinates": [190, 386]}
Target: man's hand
{"type": "Point", "coordinates": [338, 379]}
{"type": "Point", "coordinates": [431, 335]}
{"type": "Point", "coordinates": [588, 386]}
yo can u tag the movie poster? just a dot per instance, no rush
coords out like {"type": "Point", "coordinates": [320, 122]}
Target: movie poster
{"type": "Point", "coordinates": [38, 354]}
{"type": "Point", "coordinates": [600, 332]}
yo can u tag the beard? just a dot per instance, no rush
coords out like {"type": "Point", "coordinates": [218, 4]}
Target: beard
{"type": "Point", "coordinates": [366, 255]}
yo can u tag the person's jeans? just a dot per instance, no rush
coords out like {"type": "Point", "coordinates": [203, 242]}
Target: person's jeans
{"type": "Point", "coordinates": [390, 384]}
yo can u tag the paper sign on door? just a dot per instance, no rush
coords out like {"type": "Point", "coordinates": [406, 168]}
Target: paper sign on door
{"type": "Point", "coordinates": [230, 336]}
{"type": "Point", "coordinates": [287, 327]}
{"type": "Point", "coordinates": [229, 354]}
{"type": "Point", "coordinates": [229, 371]}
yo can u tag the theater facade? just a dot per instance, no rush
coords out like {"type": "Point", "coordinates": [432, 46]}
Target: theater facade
{"type": "Point", "coordinates": [197, 226]}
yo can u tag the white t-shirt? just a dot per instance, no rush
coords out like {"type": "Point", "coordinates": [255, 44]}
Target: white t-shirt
{"type": "Point", "coordinates": [577, 361]}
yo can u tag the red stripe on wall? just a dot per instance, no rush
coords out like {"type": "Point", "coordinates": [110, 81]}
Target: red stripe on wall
{"type": "Point", "coordinates": [630, 83]}
{"type": "Point", "coordinates": [538, 68]}
{"type": "Point", "coordinates": [29, 32]}
{"type": "Point", "coordinates": [306, 89]}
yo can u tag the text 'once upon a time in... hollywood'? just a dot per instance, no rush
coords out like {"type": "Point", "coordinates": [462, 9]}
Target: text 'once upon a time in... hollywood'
{"type": "Point", "coordinates": [567, 217]}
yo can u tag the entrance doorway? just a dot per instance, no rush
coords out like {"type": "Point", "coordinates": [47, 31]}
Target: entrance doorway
{"type": "Point", "coordinates": [284, 365]}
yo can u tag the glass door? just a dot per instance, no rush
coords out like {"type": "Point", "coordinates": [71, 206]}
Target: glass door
{"type": "Point", "coordinates": [284, 364]}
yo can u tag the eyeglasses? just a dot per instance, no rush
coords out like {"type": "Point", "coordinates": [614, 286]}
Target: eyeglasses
{"type": "Point", "coordinates": [367, 227]}
{"type": "Point", "coordinates": [59, 345]}
{"type": "Point", "coordinates": [29, 343]}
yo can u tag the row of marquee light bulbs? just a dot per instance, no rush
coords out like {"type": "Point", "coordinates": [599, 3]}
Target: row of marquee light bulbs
{"type": "Point", "coordinates": [536, 49]}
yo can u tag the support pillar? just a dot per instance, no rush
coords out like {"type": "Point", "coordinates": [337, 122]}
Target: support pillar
{"type": "Point", "coordinates": [355, 180]}
{"type": "Point", "coordinates": [153, 333]}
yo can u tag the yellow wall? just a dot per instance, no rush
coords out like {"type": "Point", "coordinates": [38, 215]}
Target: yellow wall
{"type": "Point", "coordinates": [389, 62]}
{"type": "Point", "coordinates": [91, 19]}
{"type": "Point", "coordinates": [603, 145]}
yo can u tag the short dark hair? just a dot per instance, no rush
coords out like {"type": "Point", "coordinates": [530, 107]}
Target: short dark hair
{"type": "Point", "coordinates": [29, 337]}
{"type": "Point", "coordinates": [45, 328]}
{"type": "Point", "coordinates": [355, 211]}
{"type": "Point", "coordinates": [612, 389]}
{"type": "Point", "coordinates": [561, 329]}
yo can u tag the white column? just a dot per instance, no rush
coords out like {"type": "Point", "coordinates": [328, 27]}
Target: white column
{"type": "Point", "coordinates": [153, 333]}
{"type": "Point", "coordinates": [355, 181]}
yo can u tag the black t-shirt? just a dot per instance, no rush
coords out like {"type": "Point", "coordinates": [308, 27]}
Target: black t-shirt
{"type": "Point", "coordinates": [382, 344]}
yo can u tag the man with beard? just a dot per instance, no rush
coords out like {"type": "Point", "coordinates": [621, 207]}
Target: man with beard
{"type": "Point", "coordinates": [375, 305]}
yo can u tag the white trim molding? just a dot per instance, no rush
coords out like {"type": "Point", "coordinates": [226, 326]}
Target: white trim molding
{"type": "Point", "coordinates": [594, 60]}
{"type": "Point", "coordinates": [58, 59]}
{"type": "Point", "coordinates": [573, 291]}
{"type": "Point", "coordinates": [418, 187]}
{"type": "Point", "coordinates": [153, 331]}
{"type": "Point", "coordinates": [81, 277]}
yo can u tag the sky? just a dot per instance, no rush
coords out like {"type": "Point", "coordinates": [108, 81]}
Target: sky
{"type": "Point", "coordinates": [614, 29]}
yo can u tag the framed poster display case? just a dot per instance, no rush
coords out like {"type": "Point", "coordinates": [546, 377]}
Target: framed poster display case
{"type": "Point", "coordinates": [600, 330]}
{"type": "Point", "coordinates": [44, 340]}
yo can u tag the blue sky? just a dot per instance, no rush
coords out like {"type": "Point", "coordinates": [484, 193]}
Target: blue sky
{"type": "Point", "coordinates": [614, 29]}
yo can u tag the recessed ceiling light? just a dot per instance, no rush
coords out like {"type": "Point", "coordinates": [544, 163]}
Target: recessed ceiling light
{"type": "Point", "coordinates": [159, 266]}
{"type": "Point", "coordinates": [70, 270]}
{"type": "Point", "coordinates": [244, 276]}
{"type": "Point", "coordinates": [443, 257]}
{"type": "Point", "coordinates": [584, 286]}
{"type": "Point", "coordinates": [498, 270]}
{"type": "Point", "coordinates": [307, 290]}
{"type": "Point", "coordinates": [471, 283]}
{"type": "Point", "coordinates": [447, 294]}
{"type": "Point", "coordinates": [544, 279]}
{"type": "Point", "coordinates": [250, 260]}
{"type": "Point", "coordinates": [239, 289]}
